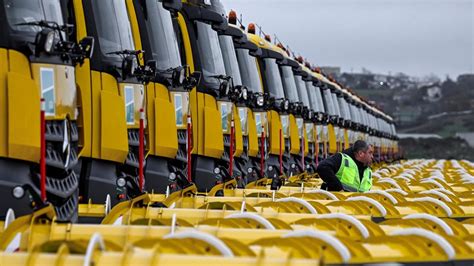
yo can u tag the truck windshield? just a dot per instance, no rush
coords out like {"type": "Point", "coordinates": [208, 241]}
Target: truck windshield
{"type": "Point", "coordinates": [249, 71]}
{"type": "Point", "coordinates": [272, 76]}
{"type": "Point", "coordinates": [328, 104]}
{"type": "Point", "coordinates": [163, 40]}
{"type": "Point", "coordinates": [319, 97]}
{"type": "Point", "coordinates": [354, 113]}
{"type": "Point", "coordinates": [336, 104]}
{"type": "Point", "coordinates": [210, 53]}
{"type": "Point", "coordinates": [344, 109]}
{"type": "Point", "coordinates": [113, 26]}
{"type": "Point", "coordinates": [312, 96]}
{"type": "Point", "coordinates": [289, 84]}
{"type": "Point", "coordinates": [302, 92]}
{"type": "Point", "coordinates": [25, 11]}
{"type": "Point", "coordinates": [230, 58]}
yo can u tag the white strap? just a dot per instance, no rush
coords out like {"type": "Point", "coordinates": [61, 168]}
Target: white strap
{"type": "Point", "coordinates": [447, 229]}
{"type": "Point", "coordinates": [404, 178]}
{"type": "Point", "coordinates": [385, 194]}
{"type": "Point", "coordinates": [173, 224]}
{"type": "Point", "coordinates": [325, 192]}
{"type": "Point", "coordinates": [303, 202]}
{"type": "Point", "coordinates": [444, 191]}
{"type": "Point", "coordinates": [375, 203]}
{"type": "Point", "coordinates": [210, 239]}
{"type": "Point", "coordinates": [434, 182]}
{"type": "Point", "coordinates": [443, 205]}
{"type": "Point", "coordinates": [390, 181]}
{"type": "Point", "coordinates": [358, 224]}
{"type": "Point", "coordinates": [437, 193]}
{"type": "Point", "coordinates": [252, 216]}
{"type": "Point", "coordinates": [396, 190]}
{"type": "Point", "coordinates": [96, 240]}
{"type": "Point", "coordinates": [328, 239]}
{"type": "Point", "coordinates": [443, 243]}
{"type": "Point", "coordinates": [108, 205]}
{"type": "Point", "coordinates": [9, 218]}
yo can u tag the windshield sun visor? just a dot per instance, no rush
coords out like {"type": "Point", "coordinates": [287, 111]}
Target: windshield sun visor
{"type": "Point", "coordinates": [207, 15]}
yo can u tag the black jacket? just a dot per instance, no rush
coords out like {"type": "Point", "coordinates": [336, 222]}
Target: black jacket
{"type": "Point", "coordinates": [328, 168]}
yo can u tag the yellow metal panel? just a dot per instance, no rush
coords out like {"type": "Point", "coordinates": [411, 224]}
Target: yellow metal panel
{"type": "Point", "coordinates": [252, 134]}
{"type": "Point", "coordinates": [3, 103]}
{"type": "Point", "coordinates": [161, 92]}
{"type": "Point", "coordinates": [80, 26]}
{"type": "Point", "coordinates": [332, 139]}
{"type": "Point", "coordinates": [166, 137]}
{"type": "Point", "coordinates": [346, 139]}
{"type": "Point", "coordinates": [275, 127]}
{"type": "Point", "coordinates": [109, 83]}
{"type": "Point", "coordinates": [23, 118]}
{"type": "Point", "coordinates": [305, 137]}
{"type": "Point", "coordinates": [213, 137]}
{"type": "Point", "coordinates": [196, 111]}
{"type": "Point", "coordinates": [83, 80]}
{"type": "Point", "coordinates": [196, 102]}
{"type": "Point", "coordinates": [19, 63]}
{"type": "Point", "coordinates": [239, 145]}
{"type": "Point", "coordinates": [96, 113]}
{"type": "Point", "coordinates": [150, 117]}
{"type": "Point", "coordinates": [186, 41]}
{"type": "Point", "coordinates": [294, 136]}
{"type": "Point", "coordinates": [114, 137]}
{"type": "Point", "coordinates": [134, 26]}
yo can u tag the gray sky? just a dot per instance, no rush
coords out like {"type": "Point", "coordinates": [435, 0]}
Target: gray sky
{"type": "Point", "coordinates": [417, 37]}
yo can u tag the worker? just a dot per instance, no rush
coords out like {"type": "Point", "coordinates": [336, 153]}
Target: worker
{"type": "Point", "coordinates": [348, 170]}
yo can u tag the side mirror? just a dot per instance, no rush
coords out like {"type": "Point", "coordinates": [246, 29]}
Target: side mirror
{"type": "Point", "coordinates": [87, 46]}
{"type": "Point", "coordinates": [172, 5]}
{"type": "Point", "coordinates": [192, 80]}
{"type": "Point", "coordinates": [179, 76]}
{"type": "Point", "coordinates": [129, 64]}
{"type": "Point", "coordinates": [225, 89]}
{"type": "Point", "coordinates": [151, 64]}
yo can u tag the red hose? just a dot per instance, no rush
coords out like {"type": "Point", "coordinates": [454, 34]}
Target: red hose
{"type": "Point", "coordinates": [231, 148]}
{"type": "Point", "coordinates": [141, 148]}
{"type": "Point", "coordinates": [190, 145]}
{"type": "Point", "coordinates": [43, 151]}
{"type": "Point", "coordinates": [262, 151]}
{"type": "Point", "coordinates": [281, 153]}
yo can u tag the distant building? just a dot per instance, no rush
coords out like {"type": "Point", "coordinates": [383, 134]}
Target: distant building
{"type": "Point", "coordinates": [467, 136]}
{"type": "Point", "coordinates": [333, 71]}
{"type": "Point", "coordinates": [432, 93]}
{"type": "Point", "coordinates": [468, 78]}
{"type": "Point", "coordinates": [418, 136]}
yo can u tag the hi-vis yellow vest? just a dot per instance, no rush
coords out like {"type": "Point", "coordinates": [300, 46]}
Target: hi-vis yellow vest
{"type": "Point", "coordinates": [348, 174]}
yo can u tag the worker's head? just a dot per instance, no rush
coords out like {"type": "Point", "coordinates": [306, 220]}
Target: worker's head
{"type": "Point", "coordinates": [363, 152]}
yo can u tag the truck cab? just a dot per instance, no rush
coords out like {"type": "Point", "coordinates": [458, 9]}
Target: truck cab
{"type": "Point", "coordinates": [112, 89]}
{"type": "Point", "coordinates": [38, 56]}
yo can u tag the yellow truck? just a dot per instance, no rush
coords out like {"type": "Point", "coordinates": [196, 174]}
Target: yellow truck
{"type": "Point", "coordinates": [38, 154]}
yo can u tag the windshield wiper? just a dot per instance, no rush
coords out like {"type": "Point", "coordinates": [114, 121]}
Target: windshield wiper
{"type": "Point", "coordinates": [221, 77]}
{"type": "Point", "coordinates": [127, 52]}
{"type": "Point", "coordinates": [131, 66]}
{"type": "Point", "coordinates": [48, 24]}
